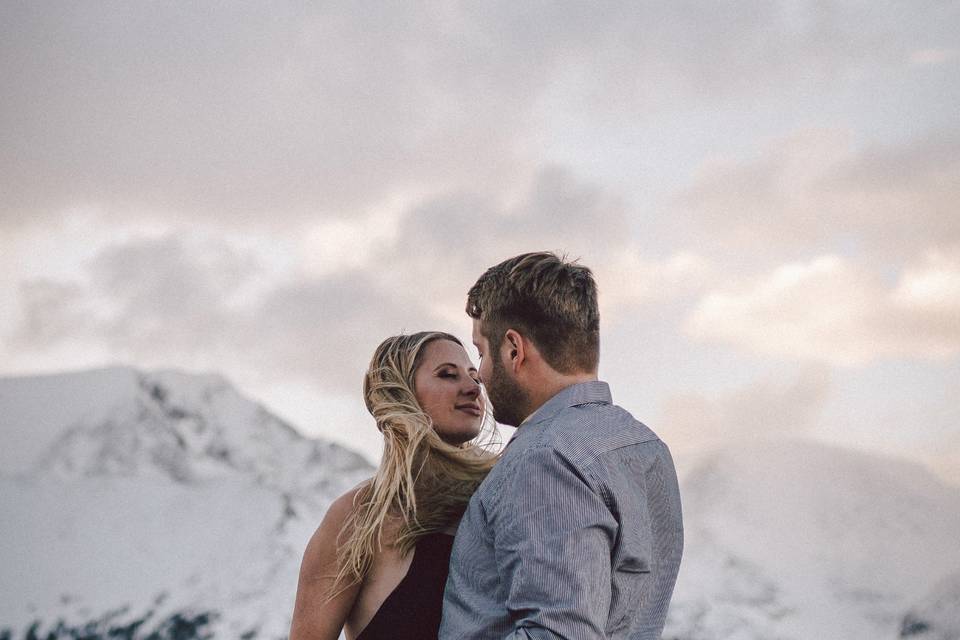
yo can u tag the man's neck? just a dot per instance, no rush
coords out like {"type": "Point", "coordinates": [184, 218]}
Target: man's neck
{"type": "Point", "coordinates": [555, 385]}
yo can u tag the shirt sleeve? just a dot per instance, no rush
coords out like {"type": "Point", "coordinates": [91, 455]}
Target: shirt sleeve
{"type": "Point", "coordinates": [553, 550]}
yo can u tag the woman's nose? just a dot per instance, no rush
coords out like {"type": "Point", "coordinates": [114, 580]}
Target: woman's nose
{"type": "Point", "coordinates": [472, 388]}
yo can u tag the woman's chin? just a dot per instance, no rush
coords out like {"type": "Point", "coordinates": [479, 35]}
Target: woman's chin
{"type": "Point", "coordinates": [457, 438]}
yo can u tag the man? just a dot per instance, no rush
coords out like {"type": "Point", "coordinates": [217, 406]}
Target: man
{"type": "Point", "coordinates": [577, 532]}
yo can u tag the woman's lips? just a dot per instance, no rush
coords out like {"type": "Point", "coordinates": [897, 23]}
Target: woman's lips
{"type": "Point", "coordinates": [471, 409]}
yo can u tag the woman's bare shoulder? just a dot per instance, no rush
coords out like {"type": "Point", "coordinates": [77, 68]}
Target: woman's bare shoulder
{"type": "Point", "coordinates": [342, 507]}
{"type": "Point", "coordinates": [317, 613]}
{"type": "Point", "coordinates": [337, 515]}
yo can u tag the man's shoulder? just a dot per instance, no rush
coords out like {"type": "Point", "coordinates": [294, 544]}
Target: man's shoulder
{"type": "Point", "coordinates": [576, 436]}
{"type": "Point", "coordinates": [581, 433]}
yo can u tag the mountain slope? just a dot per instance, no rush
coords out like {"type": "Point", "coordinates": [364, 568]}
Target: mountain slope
{"type": "Point", "coordinates": [937, 615]}
{"type": "Point", "coordinates": [168, 493]}
{"type": "Point", "coordinates": [173, 493]}
{"type": "Point", "coordinates": [800, 540]}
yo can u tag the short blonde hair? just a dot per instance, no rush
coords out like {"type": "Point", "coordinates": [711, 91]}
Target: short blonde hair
{"type": "Point", "coordinates": [546, 298]}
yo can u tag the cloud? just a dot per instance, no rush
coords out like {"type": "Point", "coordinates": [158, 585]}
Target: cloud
{"type": "Point", "coordinates": [51, 311]}
{"type": "Point", "coordinates": [256, 115]}
{"type": "Point", "coordinates": [830, 310]}
{"type": "Point", "coordinates": [244, 113]}
{"type": "Point", "coordinates": [946, 461]}
{"type": "Point", "coordinates": [628, 280]}
{"type": "Point", "coordinates": [206, 300]}
{"type": "Point", "coordinates": [555, 208]}
{"type": "Point", "coordinates": [815, 188]}
{"type": "Point", "coordinates": [696, 422]}
{"type": "Point", "coordinates": [932, 57]}
{"type": "Point", "coordinates": [186, 300]}
{"type": "Point", "coordinates": [445, 243]}
{"type": "Point", "coordinates": [146, 296]}
{"type": "Point", "coordinates": [659, 57]}
{"type": "Point", "coordinates": [326, 328]}
{"type": "Point", "coordinates": [278, 188]}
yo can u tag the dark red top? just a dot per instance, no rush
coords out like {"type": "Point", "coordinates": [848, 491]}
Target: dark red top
{"type": "Point", "coordinates": [412, 610]}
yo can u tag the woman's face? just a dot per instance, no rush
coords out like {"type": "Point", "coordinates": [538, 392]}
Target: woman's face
{"type": "Point", "coordinates": [448, 389]}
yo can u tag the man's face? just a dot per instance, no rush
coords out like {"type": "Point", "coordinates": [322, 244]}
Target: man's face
{"type": "Point", "coordinates": [510, 402]}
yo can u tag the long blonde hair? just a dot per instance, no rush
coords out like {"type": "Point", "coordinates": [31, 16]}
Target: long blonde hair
{"type": "Point", "coordinates": [422, 481]}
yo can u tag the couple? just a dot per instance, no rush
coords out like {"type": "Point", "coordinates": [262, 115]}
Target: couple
{"type": "Point", "coordinates": [574, 531]}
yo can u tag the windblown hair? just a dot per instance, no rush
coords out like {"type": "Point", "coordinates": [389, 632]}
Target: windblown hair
{"type": "Point", "coordinates": [546, 298]}
{"type": "Point", "coordinates": [423, 484]}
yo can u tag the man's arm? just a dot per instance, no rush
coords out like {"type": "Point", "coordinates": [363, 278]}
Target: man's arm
{"type": "Point", "coordinates": [553, 550]}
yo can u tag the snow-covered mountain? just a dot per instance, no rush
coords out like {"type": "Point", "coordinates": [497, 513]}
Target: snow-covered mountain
{"type": "Point", "coordinates": [172, 496]}
{"type": "Point", "coordinates": [162, 492]}
{"type": "Point", "coordinates": [793, 539]}
{"type": "Point", "coordinates": [937, 615]}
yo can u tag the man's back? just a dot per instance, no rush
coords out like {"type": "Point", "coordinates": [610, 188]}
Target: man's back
{"type": "Point", "coordinates": [577, 532]}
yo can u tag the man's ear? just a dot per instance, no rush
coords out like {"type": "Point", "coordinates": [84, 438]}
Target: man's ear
{"type": "Point", "coordinates": [515, 347]}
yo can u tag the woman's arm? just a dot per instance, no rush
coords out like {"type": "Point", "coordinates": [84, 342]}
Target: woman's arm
{"type": "Point", "coordinates": [315, 616]}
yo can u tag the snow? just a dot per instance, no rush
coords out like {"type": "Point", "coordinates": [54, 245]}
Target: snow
{"type": "Point", "coordinates": [167, 492]}
{"type": "Point", "coordinates": [176, 493]}
{"type": "Point", "coordinates": [937, 615]}
{"type": "Point", "coordinates": [792, 539]}
{"type": "Point", "coordinates": [37, 409]}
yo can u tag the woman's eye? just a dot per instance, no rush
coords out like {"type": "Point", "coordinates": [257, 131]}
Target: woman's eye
{"type": "Point", "coordinates": [447, 374]}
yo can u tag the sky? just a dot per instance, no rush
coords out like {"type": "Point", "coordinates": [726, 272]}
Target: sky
{"type": "Point", "coordinates": [767, 193]}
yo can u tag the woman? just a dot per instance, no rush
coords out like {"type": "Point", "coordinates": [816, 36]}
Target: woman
{"type": "Point", "coordinates": [377, 565]}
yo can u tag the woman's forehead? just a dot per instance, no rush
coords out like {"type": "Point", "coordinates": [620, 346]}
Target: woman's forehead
{"type": "Point", "coordinates": [440, 351]}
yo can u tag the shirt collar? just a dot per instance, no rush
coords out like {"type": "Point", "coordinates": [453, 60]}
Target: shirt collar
{"type": "Point", "coordinates": [590, 392]}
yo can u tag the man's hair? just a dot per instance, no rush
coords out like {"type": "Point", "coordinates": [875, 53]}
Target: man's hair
{"type": "Point", "coordinates": [546, 298]}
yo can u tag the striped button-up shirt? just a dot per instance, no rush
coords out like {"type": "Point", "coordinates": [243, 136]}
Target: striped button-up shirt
{"type": "Point", "coordinates": [575, 534]}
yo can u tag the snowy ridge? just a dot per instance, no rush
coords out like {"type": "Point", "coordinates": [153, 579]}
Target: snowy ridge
{"type": "Point", "coordinates": [169, 493]}
{"type": "Point", "coordinates": [190, 428]}
{"type": "Point", "coordinates": [792, 539]}
{"type": "Point", "coordinates": [175, 493]}
{"type": "Point", "coordinates": [937, 615]}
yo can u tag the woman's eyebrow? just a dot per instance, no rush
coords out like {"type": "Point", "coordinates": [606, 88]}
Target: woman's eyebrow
{"type": "Point", "coordinates": [450, 364]}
